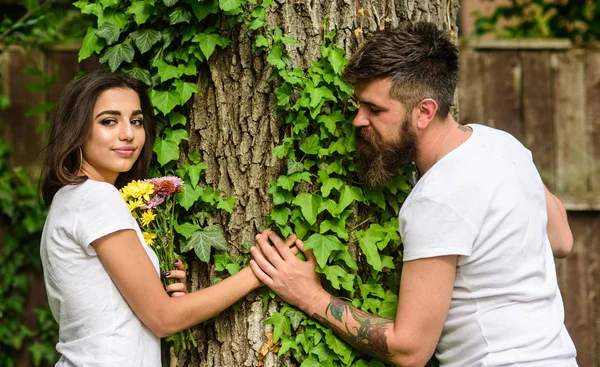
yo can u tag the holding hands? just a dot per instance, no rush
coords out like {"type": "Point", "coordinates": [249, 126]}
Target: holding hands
{"type": "Point", "coordinates": [294, 280]}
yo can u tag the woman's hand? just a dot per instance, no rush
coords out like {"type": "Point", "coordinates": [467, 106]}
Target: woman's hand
{"type": "Point", "coordinates": [177, 289]}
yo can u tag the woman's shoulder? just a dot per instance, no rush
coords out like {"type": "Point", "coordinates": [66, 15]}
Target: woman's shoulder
{"type": "Point", "coordinates": [88, 191]}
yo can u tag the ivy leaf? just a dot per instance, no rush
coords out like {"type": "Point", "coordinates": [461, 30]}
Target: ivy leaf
{"type": "Point", "coordinates": [280, 196]}
{"type": "Point", "coordinates": [318, 95]}
{"type": "Point", "coordinates": [339, 277]}
{"type": "Point", "coordinates": [170, 3]}
{"type": "Point", "coordinates": [294, 166]}
{"type": "Point", "coordinates": [140, 74]}
{"type": "Point", "coordinates": [189, 196]}
{"type": "Point", "coordinates": [347, 259]}
{"type": "Point", "coordinates": [166, 71]}
{"type": "Point", "coordinates": [165, 101]}
{"type": "Point", "coordinates": [337, 60]}
{"type": "Point", "coordinates": [166, 150]}
{"type": "Point", "coordinates": [309, 206]}
{"type": "Point", "coordinates": [109, 32]}
{"type": "Point", "coordinates": [203, 240]}
{"type": "Point", "coordinates": [179, 15]}
{"type": "Point", "coordinates": [295, 317]}
{"type": "Point", "coordinates": [185, 90]}
{"type": "Point", "coordinates": [188, 69]}
{"type": "Point", "coordinates": [176, 136]}
{"type": "Point", "coordinates": [208, 42]}
{"type": "Point", "coordinates": [368, 244]}
{"type": "Point", "coordinates": [340, 348]}
{"type": "Point", "coordinates": [348, 195]}
{"type": "Point", "coordinates": [230, 5]}
{"type": "Point", "coordinates": [275, 57]}
{"type": "Point", "coordinates": [109, 3]}
{"type": "Point", "coordinates": [281, 215]}
{"type": "Point", "coordinates": [331, 121]}
{"type": "Point", "coordinates": [336, 225]}
{"type": "Point", "coordinates": [91, 44]}
{"type": "Point", "coordinates": [146, 38]}
{"type": "Point", "coordinates": [311, 145]}
{"type": "Point", "coordinates": [204, 8]}
{"type": "Point", "coordinates": [195, 172]}
{"type": "Point", "coordinates": [141, 10]}
{"type": "Point", "coordinates": [115, 55]}
{"type": "Point", "coordinates": [113, 16]}
{"type": "Point", "coordinates": [310, 361]}
{"type": "Point", "coordinates": [227, 204]}
{"type": "Point", "coordinates": [186, 229]}
{"type": "Point", "coordinates": [261, 41]}
{"type": "Point", "coordinates": [377, 197]}
{"type": "Point", "coordinates": [175, 118]}
{"type": "Point", "coordinates": [280, 324]}
{"type": "Point", "coordinates": [323, 246]}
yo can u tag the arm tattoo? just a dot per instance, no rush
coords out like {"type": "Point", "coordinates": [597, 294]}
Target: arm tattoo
{"type": "Point", "coordinates": [368, 335]}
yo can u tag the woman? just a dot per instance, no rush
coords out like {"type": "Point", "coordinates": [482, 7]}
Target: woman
{"type": "Point", "coordinates": [102, 280]}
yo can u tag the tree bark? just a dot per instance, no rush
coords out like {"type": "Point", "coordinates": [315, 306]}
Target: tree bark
{"type": "Point", "coordinates": [235, 127]}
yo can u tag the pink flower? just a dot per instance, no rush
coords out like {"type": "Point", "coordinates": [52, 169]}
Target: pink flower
{"type": "Point", "coordinates": [166, 185]}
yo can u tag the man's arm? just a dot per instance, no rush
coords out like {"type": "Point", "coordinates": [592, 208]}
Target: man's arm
{"type": "Point", "coordinates": [559, 232]}
{"type": "Point", "coordinates": [409, 340]}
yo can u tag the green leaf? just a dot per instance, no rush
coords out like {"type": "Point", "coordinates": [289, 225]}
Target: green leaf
{"type": "Point", "coordinates": [165, 101]}
{"type": "Point", "coordinates": [109, 32]}
{"type": "Point", "coordinates": [179, 15]}
{"type": "Point", "coordinates": [109, 3]}
{"type": "Point", "coordinates": [115, 55]}
{"type": "Point", "coordinates": [261, 41]}
{"type": "Point", "coordinates": [347, 259]}
{"type": "Point", "coordinates": [280, 196]}
{"type": "Point", "coordinates": [318, 95]}
{"type": "Point", "coordinates": [337, 60]}
{"type": "Point", "coordinates": [189, 196]}
{"type": "Point", "coordinates": [281, 215]}
{"type": "Point", "coordinates": [188, 69]}
{"type": "Point", "coordinates": [40, 109]}
{"type": "Point", "coordinates": [275, 57]}
{"type": "Point", "coordinates": [203, 240]}
{"type": "Point", "coordinates": [195, 172]}
{"type": "Point", "coordinates": [170, 3]}
{"type": "Point", "coordinates": [176, 136]}
{"type": "Point", "coordinates": [335, 225]}
{"type": "Point", "coordinates": [141, 10]}
{"type": "Point", "coordinates": [221, 261]}
{"type": "Point", "coordinates": [113, 16]}
{"type": "Point", "coordinates": [186, 229]}
{"type": "Point", "coordinates": [280, 324]}
{"type": "Point", "coordinates": [311, 145]}
{"type": "Point", "coordinates": [146, 38]}
{"type": "Point", "coordinates": [229, 5]}
{"type": "Point", "coordinates": [208, 42]}
{"type": "Point", "coordinates": [166, 71]}
{"type": "Point", "coordinates": [185, 89]}
{"type": "Point", "coordinates": [233, 268]}
{"type": "Point", "coordinates": [91, 44]}
{"type": "Point", "coordinates": [204, 8]}
{"type": "Point", "coordinates": [175, 118]}
{"type": "Point", "coordinates": [227, 204]}
{"type": "Point", "coordinates": [368, 244]}
{"type": "Point", "coordinates": [309, 206]}
{"type": "Point", "coordinates": [343, 351]}
{"type": "Point", "coordinates": [166, 150]}
{"type": "Point", "coordinates": [339, 277]}
{"type": "Point", "coordinates": [293, 166]}
{"type": "Point", "coordinates": [295, 316]}
{"type": "Point", "coordinates": [4, 102]}
{"type": "Point", "coordinates": [348, 195]}
{"type": "Point", "coordinates": [331, 121]}
{"type": "Point", "coordinates": [140, 74]}
{"type": "Point", "coordinates": [323, 246]}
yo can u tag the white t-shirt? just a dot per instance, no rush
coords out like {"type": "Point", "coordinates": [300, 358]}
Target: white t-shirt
{"type": "Point", "coordinates": [485, 202]}
{"type": "Point", "coordinates": [97, 326]}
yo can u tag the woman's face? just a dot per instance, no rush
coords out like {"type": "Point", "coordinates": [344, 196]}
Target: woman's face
{"type": "Point", "coordinates": [117, 135]}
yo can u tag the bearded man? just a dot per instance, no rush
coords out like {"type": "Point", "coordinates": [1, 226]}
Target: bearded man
{"type": "Point", "coordinates": [478, 283]}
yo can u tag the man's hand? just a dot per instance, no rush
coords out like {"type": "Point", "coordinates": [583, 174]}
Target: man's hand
{"type": "Point", "coordinates": [294, 280]}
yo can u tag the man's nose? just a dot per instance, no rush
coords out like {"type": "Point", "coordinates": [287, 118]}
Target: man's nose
{"type": "Point", "coordinates": [361, 119]}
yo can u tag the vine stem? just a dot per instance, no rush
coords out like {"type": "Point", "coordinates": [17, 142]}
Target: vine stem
{"type": "Point", "coordinates": [27, 15]}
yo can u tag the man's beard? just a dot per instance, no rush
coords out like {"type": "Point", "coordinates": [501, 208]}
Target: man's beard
{"type": "Point", "coordinates": [379, 161]}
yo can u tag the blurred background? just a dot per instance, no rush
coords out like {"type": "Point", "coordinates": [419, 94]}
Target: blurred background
{"type": "Point", "coordinates": [531, 68]}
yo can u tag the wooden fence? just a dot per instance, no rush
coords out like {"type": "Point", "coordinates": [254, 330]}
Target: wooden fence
{"type": "Point", "coordinates": [545, 93]}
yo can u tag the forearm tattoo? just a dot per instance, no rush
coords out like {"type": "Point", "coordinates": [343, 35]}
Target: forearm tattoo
{"type": "Point", "coordinates": [366, 333]}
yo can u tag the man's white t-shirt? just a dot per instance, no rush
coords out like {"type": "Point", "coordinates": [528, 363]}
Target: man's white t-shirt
{"type": "Point", "coordinates": [97, 326]}
{"type": "Point", "coordinates": [485, 202]}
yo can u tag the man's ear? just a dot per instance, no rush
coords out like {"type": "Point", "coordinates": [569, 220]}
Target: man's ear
{"type": "Point", "coordinates": [427, 109]}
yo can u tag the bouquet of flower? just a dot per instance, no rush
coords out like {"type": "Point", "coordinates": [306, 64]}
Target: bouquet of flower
{"type": "Point", "coordinates": [152, 203]}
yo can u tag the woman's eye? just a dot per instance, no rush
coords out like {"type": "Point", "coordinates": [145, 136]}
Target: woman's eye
{"type": "Point", "coordinates": [108, 122]}
{"type": "Point", "coordinates": [138, 122]}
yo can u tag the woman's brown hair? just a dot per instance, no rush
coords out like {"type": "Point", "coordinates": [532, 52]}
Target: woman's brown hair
{"type": "Point", "coordinates": [71, 125]}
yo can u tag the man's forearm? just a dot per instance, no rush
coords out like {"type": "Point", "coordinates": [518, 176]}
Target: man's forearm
{"type": "Point", "coordinates": [363, 331]}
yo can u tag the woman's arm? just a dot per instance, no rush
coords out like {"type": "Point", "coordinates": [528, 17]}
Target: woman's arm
{"type": "Point", "coordinates": [128, 265]}
{"type": "Point", "coordinates": [559, 232]}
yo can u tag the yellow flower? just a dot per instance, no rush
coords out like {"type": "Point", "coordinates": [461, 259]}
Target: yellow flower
{"type": "Point", "coordinates": [149, 238]}
{"type": "Point", "coordinates": [133, 204]}
{"type": "Point", "coordinates": [137, 189]}
{"type": "Point", "coordinates": [147, 217]}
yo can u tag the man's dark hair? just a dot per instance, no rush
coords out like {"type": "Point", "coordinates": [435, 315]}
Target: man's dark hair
{"type": "Point", "coordinates": [419, 58]}
{"type": "Point", "coordinates": [71, 126]}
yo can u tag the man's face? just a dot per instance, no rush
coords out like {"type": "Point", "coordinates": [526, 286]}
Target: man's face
{"type": "Point", "coordinates": [386, 139]}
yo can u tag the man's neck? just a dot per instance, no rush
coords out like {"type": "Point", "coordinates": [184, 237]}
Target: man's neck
{"type": "Point", "coordinates": [439, 139]}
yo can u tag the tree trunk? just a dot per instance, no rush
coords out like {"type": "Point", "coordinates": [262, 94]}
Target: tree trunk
{"type": "Point", "coordinates": [235, 127]}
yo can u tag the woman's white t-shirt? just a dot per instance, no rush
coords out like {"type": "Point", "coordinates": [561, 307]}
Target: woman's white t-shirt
{"type": "Point", "coordinates": [97, 326]}
{"type": "Point", "coordinates": [485, 202]}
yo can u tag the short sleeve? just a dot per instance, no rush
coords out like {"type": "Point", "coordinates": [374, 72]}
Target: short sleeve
{"type": "Point", "coordinates": [102, 212]}
{"type": "Point", "coordinates": [430, 228]}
